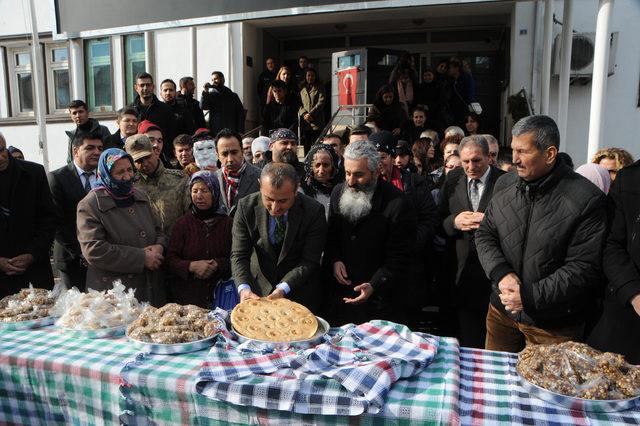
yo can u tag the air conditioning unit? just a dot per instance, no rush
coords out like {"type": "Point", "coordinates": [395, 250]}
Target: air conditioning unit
{"type": "Point", "coordinates": [582, 50]}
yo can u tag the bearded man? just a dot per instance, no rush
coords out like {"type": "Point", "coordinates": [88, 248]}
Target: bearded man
{"type": "Point", "coordinates": [372, 229]}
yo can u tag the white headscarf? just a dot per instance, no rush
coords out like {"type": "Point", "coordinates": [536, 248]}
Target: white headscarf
{"type": "Point", "coordinates": [596, 174]}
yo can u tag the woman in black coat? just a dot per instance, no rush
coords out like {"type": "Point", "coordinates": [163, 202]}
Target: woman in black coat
{"type": "Point", "coordinates": [387, 110]}
{"type": "Point", "coordinates": [619, 328]}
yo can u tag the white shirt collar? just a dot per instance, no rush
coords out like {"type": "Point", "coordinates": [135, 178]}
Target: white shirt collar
{"type": "Point", "coordinates": [80, 171]}
{"type": "Point", "coordinates": [484, 177]}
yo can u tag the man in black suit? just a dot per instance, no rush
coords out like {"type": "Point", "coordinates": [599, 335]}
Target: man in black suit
{"type": "Point", "coordinates": [236, 176]}
{"type": "Point", "coordinates": [464, 198]}
{"type": "Point", "coordinates": [127, 122]}
{"type": "Point", "coordinates": [27, 224]}
{"type": "Point", "coordinates": [69, 185]}
{"type": "Point", "coordinates": [278, 238]}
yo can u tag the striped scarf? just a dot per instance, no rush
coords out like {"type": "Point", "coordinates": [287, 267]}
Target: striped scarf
{"type": "Point", "coordinates": [232, 180]}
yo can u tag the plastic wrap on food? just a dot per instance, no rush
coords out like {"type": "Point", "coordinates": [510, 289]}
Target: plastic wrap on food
{"type": "Point", "coordinates": [29, 304]}
{"type": "Point", "coordinates": [577, 370]}
{"type": "Point", "coordinates": [96, 310]}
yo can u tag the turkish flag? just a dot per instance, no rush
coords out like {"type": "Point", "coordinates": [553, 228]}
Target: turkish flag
{"type": "Point", "coordinates": [347, 85]}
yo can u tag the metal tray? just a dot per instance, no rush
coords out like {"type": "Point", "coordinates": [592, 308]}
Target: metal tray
{"type": "Point", "coordinates": [26, 325]}
{"type": "Point", "coordinates": [323, 328]}
{"type": "Point", "coordinates": [99, 333]}
{"type": "Point", "coordinates": [175, 348]}
{"type": "Point", "coordinates": [579, 404]}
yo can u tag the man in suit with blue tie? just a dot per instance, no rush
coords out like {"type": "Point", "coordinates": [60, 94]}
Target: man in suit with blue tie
{"type": "Point", "coordinates": [464, 198]}
{"type": "Point", "coordinates": [69, 185]}
{"type": "Point", "coordinates": [278, 239]}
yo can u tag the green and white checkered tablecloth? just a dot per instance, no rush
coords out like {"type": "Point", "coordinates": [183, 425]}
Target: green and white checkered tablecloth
{"type": "Point", "coordinates": [48, 377]}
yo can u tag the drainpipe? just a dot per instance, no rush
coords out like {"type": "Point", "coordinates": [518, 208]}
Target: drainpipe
{"type": "Point", "coordinates": [546, 57]}
{"type": "Point", "coordinates": [600, 71]}
{"type": "Point", "coordinates": [565, 70]}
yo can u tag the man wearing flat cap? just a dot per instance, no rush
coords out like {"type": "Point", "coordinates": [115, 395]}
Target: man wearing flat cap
{"type": "Point", "coordinates": [167, 189]}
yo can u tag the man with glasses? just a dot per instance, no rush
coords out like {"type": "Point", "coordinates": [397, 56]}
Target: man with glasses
{"type": "Point", "coordinates": [494, 149]}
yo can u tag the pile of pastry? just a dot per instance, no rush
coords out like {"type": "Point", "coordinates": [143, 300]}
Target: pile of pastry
{"type": "Point", "coordinates": [29, 304]}
{"type": "Point", "coordinates": [577, 370]}
{"type": "Point", "coordinates": [172, 324]}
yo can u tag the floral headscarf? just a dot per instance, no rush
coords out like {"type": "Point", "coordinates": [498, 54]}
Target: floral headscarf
{"type": "Point", "coordinates": [209, 179]}
{"type": "Point", "coordinates": [119, 190]}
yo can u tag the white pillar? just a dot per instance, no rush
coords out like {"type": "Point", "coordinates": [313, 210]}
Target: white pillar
{"type": "Point", "coordinates": [76, 63]}
{"type": "Point", "coordinates": [37, 71]}
{"type": "Point", "coordinates": [565, 71]}
{"type": "Point", "coordinates": [600, 71]}
{"type": "Point", "coordinates": [119, 80]}
{"type": "Point", "coordinates": [149, 54]}
{"type": "Point", "coordinates": [4, 83]}
{"type": "Point", "coordinates": [193, 59]}
{"type": "Point", "coordinates": [546, 57]}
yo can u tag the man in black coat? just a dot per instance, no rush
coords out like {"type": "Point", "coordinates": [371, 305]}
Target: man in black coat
{"type": "Point", "coordinates": [619, 328]}
{"type": "Point", "coordinates": [127, 126]}
{"type": "Point", "coordinates": [224, 106]}
{"type": "Point", "coordinates": [264, 81]}
{"type": "Point", "coordinates": [416, 188]}
{"type": "Point", "coordinates": [27, 224]}
{"type": "Point", "coordinates": [187, 90]}
{"type": "Point", "coordinates": [372, 231]}
{"type": "Point", "coordinates": [279, 113]}
{"type": "Point", "coordinates": [185, 124]}
{"type": "Point", "coordinates": [69, 185]}
{"type": "Point", "coordinates": [150, 108]}
{"type": "Point", "coordinates": [541, 244]}
{"type": "Point", "coordinates": [465, 196]}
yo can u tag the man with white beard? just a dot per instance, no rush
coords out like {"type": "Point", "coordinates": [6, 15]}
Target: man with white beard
{"type": "Point", "coordinates": [372, 228]}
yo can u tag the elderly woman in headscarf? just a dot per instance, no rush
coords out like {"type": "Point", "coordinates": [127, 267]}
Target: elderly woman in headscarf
{"type": "Point", "coordinates": [321, 171]}
{"type": "Point", "coordinates": [119, 234]}
{"type": "Point", "coordinates": [597, 174]}
{"type": "Point", "coordinates": [200, 245]}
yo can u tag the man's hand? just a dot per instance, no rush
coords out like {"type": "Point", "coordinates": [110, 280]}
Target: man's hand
{"type": "Point", "coordinates": [276, 294]}
{"type": "Point", "coordinates": [468, 221]}
{"type": "Point", "coordinates": [307, 117]}
{"type": "Point", "coordinates": [340, 273]}
{"type": "Point", "coordinates": [156, 248]}
{"type": "Point", "coordinates": [8, 268]}
{"type": "Point", "coordinates": [247, 294]}
{"type": "Point", "coordinates": [152, 259]}
{"type": "Point", "coordinates": [365, 289]}
{"type": "Point", "coordinates": [22, 261]}
{"type": "Point", "coordinates": [203, 269]}
{"type": "Point", "coordinates": [509, 287]}
{"type": "Point", "coordinates": [635, 302]}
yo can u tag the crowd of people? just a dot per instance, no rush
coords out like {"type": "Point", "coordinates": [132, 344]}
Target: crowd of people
{"type": "Point", "coordinates": [377, 222]}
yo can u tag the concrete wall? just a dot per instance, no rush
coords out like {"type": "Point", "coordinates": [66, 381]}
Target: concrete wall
{"type": "Point", "coordinates": [622, 112]}
{"type": "Point", "coordinates": [15, 19]}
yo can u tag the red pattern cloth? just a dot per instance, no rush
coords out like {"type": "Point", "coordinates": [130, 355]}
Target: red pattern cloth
{"type": "Point", "coordinates": [396, 178]}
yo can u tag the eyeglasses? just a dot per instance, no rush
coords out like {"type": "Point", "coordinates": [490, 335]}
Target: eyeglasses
{"type": "Point", "coordinates": [493, 154]}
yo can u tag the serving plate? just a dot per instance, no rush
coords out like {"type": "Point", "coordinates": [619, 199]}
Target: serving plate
{"type": "Point", "coordinates": [98, 333]}
{"type": "Point", "coordinates": [174, 348]}
{"type": "Point", "coordinates": [26, 325]}
{"type": "Point", "coordinates": [579, 404]}
{"type": "Point", "coordinates": [318, 337]}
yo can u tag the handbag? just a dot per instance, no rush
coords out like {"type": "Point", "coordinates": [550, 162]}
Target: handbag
{"type": "Point", "coordinates": [225, 295]}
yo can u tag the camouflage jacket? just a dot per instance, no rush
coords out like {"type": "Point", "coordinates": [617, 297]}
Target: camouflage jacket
{"type": "Point", "coordinates": [169, 194]}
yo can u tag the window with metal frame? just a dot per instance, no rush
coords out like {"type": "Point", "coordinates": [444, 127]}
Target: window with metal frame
{"type": "Point", "coordinates": [20, 81]}
{"type": "Point", "coordinates": [134, 62]}
{"type": "Point", "coordinates": [99, 75]}
{"type": "Point", "coordinates": [58, 83]}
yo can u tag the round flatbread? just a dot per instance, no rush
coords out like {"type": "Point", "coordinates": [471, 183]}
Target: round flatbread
{"type": "Point", "coordinates": [279, 320]}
